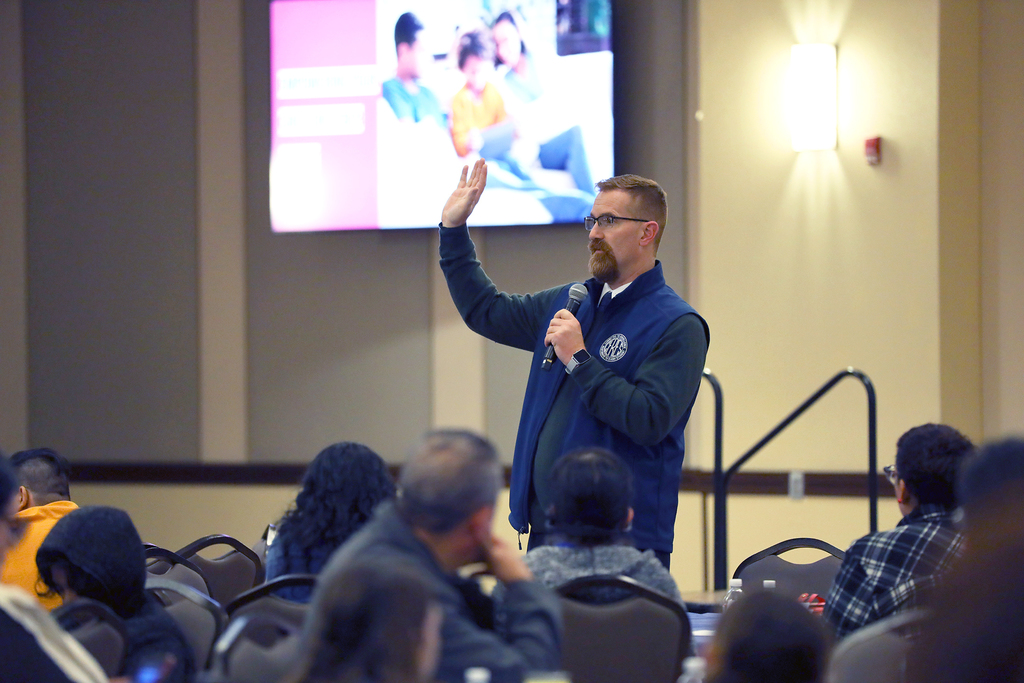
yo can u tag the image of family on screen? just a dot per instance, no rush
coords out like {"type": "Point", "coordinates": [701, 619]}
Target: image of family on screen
{"type": "Point", "coordinates": [527, 87]}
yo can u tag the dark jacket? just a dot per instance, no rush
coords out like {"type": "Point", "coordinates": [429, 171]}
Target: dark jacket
{"type": "Point", "coordinates": [103, 543]}
{"type": "Point", "coordinates": [634, 398]}
{"type": "Point", "coordinates": [527, 638]}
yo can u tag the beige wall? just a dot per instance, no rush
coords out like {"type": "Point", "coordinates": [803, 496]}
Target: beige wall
{"type": "Point", "coordinates": [803, 264]}
{"type": "Point", "coordinates": [1002, 211]}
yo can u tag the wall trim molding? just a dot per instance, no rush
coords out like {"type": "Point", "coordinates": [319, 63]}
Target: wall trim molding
{"type": "Point", "coordinates": [766, 483]}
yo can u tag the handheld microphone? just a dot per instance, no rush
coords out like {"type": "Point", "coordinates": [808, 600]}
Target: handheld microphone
{"type": "Point", "coordinates": [577, 293]}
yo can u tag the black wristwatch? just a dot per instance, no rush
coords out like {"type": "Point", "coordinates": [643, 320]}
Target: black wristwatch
{"type": "Point", "coordinates": [578, 359]}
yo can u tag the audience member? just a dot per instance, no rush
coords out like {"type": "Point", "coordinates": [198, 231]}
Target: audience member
{"type": "Point", "coordinates": [888, 571]}
{"type": "Point", "coordinates": [95, 552]}
{"type": "Point", "coordinates": [33, 648]}
{"type": "Point", "coordinates": [410, 100]}
{"type": "Point", "coordinates": [43, 498]}
{"type": "Point", "coordinates": [342, 486]}
{"type": "Point", "coordinates": [984, 474]}
{"type": "Point", "coordinates": [975, 625]}
{"type": "Point", "coordinates": [372, 623]}
{"type": "Point", "coordinates": [766, 638]}
{"type": "Point", "coordinates": [589, 524]}
{"type": "Point", "coordinates": [441, 521]}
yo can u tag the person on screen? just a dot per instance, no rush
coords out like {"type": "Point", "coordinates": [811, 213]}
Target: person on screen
{"type": "Point", "coordinates": [563, 150]}
{"type": "Point", "coordinates": [628, 369]}
{"type": "Point", "coordinates": [409, 99]}
{"type": "Point", "coordinates": [480, 123]}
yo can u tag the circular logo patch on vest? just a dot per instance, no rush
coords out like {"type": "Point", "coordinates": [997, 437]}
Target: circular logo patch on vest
{"type": "Point", "coordinates": [614, 348]}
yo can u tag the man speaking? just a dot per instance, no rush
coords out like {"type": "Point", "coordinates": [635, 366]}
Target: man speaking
{"type": "Point", "coordinates": [630, 357]}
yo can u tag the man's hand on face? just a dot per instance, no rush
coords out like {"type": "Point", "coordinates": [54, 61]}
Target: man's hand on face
{"type": "Point", "coordinates": [463, 200]}
{"type": "Point", "coordinates": [565, 335]}
{"type": "Point", "coordinates": [505, 562]}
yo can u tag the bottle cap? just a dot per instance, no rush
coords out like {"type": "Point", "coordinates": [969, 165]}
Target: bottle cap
{"type": "Point", "coordinates": [769, 584]}
{"type": "Point", "coordinates": [735, 583]}
{"type": "Point", "coordinates": [477, 674]}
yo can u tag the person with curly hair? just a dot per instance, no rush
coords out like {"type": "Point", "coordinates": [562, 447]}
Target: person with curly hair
{"type": "Point", "coordinates": [340, 489]}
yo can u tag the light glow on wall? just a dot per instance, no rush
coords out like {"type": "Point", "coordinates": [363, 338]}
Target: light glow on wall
{"type": "Point", "coordinates": [811, 96]}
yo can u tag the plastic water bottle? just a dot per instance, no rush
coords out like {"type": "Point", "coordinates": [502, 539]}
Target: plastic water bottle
{"type": "Point", "coordinates": [694, 669]}
{"type": "Point", "coordinates": [734, 594]}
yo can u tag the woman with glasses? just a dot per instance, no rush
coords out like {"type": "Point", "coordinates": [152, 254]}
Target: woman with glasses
{"type": "Point", "coordinates": [32, 646]}
{"type": "Point", "coordinates": [889, 571]}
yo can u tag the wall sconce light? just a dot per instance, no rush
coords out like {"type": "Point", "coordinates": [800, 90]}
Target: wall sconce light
{"type": "Point", "coordinates": [811, 96]}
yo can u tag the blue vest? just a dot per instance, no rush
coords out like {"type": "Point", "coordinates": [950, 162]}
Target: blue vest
{"type": "Point", "coordinates": [634, 322]}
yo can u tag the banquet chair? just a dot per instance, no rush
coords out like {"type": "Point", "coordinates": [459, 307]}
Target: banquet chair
{"type": "Point", "coordinates": [642, 638]}
{"type": "Point", "coordinates": [876, 653]}
{"type": "Point", "coordinates": [255, 648]}
{"type": "Point", "coordinates": [229, 574]}
{"type": "Point", "coordinates": [262, 601]}
{"type": "Point", "coordinates": [200, 618]}
{"type": "Point", "coordinates": [99, 630]}
{"type": "Point", "coordinates": [791, 579]}
{"type": "Point", "coordinates": [169, 565]}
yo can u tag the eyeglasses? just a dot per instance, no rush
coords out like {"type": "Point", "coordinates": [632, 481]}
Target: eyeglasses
{"type": "Point", "coordinates": [608, 221]}
{"type": "Point", "coordinates": [890, 474]}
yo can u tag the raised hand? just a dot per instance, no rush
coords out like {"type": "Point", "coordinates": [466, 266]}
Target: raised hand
{"type": "Point", "coordinates": [463, 200]}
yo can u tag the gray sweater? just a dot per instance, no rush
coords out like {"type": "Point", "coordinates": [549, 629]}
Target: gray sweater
{"type": "Point", "coordinates": [556, 565]}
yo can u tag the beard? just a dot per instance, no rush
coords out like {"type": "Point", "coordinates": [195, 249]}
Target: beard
{"type": "Point", "coordinates": [603, 265]}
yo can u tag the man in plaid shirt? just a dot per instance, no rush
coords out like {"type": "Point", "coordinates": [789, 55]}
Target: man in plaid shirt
{"type": "Point", "coordinates": [889, 571]}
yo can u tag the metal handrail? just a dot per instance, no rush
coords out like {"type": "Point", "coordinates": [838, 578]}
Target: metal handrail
{"type": "Point", "coordinates": [722, 478]}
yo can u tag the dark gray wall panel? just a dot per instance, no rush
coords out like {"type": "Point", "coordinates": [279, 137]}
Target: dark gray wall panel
{"type": "Point", "coordinates": [110, 124]}
{"type": "Point", "coordinates": [339, 326]}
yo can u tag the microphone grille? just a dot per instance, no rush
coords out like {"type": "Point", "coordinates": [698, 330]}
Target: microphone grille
{"type": "Point", "coordinates": [577, 292]}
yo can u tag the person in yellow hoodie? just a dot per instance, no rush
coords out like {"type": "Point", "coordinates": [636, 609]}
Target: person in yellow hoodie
{"type": "Point", "coordinates": [43, 497]}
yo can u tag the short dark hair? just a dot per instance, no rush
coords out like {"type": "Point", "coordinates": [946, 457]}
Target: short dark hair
{"type": "Point", "coordinates": [450, 475]}
{"type": "Point", "coordinates": [928, 459]}
{"type": "Point", "coordinates": [766, 638]}
{"type": "Point", "coordinates": [650, 198]}
{"type": "Point", "coordinates": [43, 471]}
{"type": "Point", "coordinates": [406, 28]}
{"type": "Point", "coordinates": [475, 44]}
{"type": "Point", "coordinates": [592, 490]}
{"type": "Point", "coordinates": [987, 472]}
{"type": "Point", "coordinates": [8, 483]}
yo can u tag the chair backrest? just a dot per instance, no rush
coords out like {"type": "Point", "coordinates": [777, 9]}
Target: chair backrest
{"type": "Point", "coordinates": [235, 571]}
{"type": "Point", "coordinates": [98, 629]}
{"type": "Point", "coordinates": [245, 653]}
{"type": "Point", "coordinates": [261, 600]}
{"type": "Point", "coordinates": [200, 618]}
{"type": "Point", "coordinates": [169, 565]}
{"type": "Point", "coordinates": [876, 653]}
{"type": "Point", "coordinates": [791, 579]}
{"type": "Point", "coordinates": [640, 639]}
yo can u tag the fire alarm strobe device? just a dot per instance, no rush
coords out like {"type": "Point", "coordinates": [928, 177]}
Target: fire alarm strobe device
{"type": "Point", "coordinates": [873, 151]}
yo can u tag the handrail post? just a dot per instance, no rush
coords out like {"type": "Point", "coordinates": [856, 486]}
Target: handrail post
{"type": "Point", "coordinates": [719, 485]}
{"type": "Point", "coordinates": [722, 477]}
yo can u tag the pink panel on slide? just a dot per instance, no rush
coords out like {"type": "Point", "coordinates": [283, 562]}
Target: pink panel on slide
{"type": "Point", "coordinates": [329, 33]}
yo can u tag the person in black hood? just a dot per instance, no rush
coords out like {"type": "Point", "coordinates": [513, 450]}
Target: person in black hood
{"type": "Point", "coordinates": [95, 552]}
